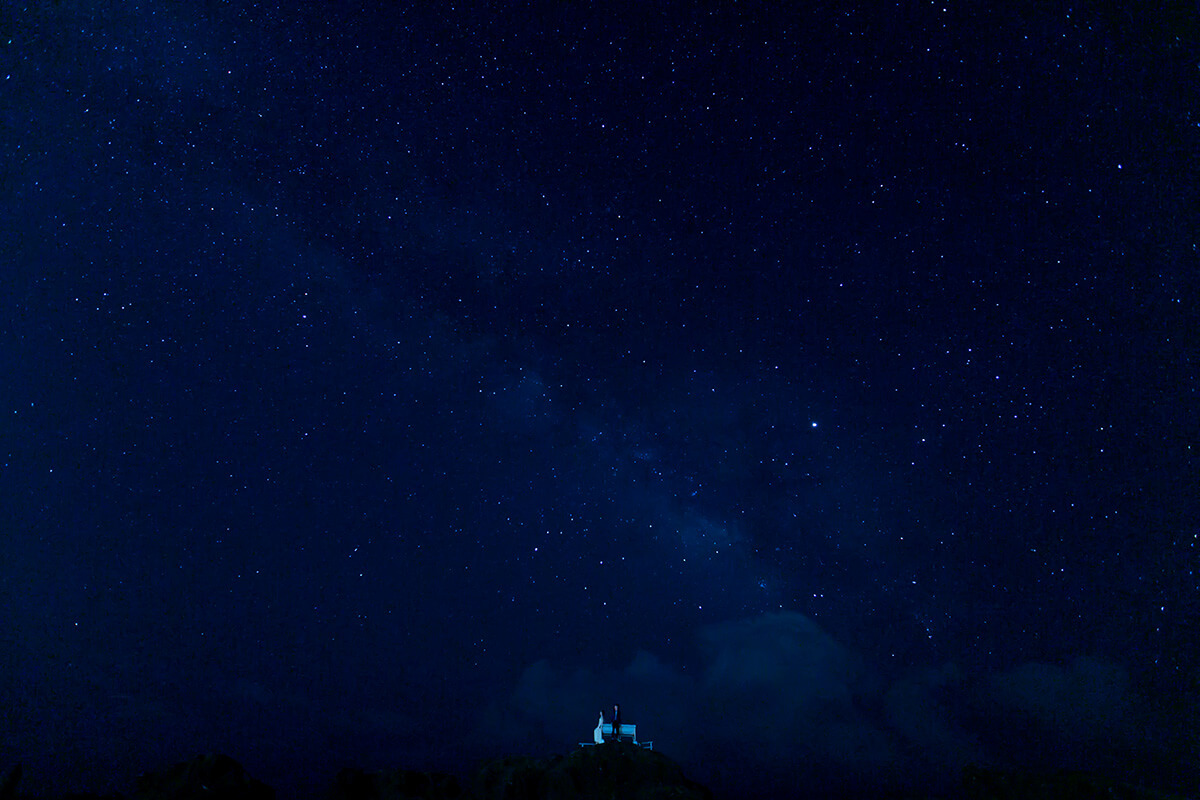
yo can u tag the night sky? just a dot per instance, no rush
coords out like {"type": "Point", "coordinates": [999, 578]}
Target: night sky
{"type": "Point", "coordinates": [399, 388]}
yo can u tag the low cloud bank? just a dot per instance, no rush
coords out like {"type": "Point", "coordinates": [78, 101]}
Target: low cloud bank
{"type": "Point", "coordinates": [777, 702]}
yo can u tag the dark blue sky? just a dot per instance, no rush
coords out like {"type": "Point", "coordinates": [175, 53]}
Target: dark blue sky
{"type": "Point", "coordinates": [399, 388]}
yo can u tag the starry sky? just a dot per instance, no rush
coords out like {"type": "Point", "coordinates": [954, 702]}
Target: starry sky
{"type": "Point", "coordinates": [401, 387]}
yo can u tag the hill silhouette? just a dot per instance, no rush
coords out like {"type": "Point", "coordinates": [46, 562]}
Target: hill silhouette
{"type": "Point", "coordinates": [614, 771]}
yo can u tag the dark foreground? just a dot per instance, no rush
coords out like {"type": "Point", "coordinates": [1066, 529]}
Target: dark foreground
{"type": "Point", "coordinates": [609, 772]}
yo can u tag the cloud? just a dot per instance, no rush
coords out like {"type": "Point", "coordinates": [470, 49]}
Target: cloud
{"type": "Point", "coordinates": [776, 700]}
{"type": "Point", "coordinates": [781, 683]}
{"type": "Point", "coordinates": [918, 708]}
{"type": "Point", "coordinates": [1085, 701]}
